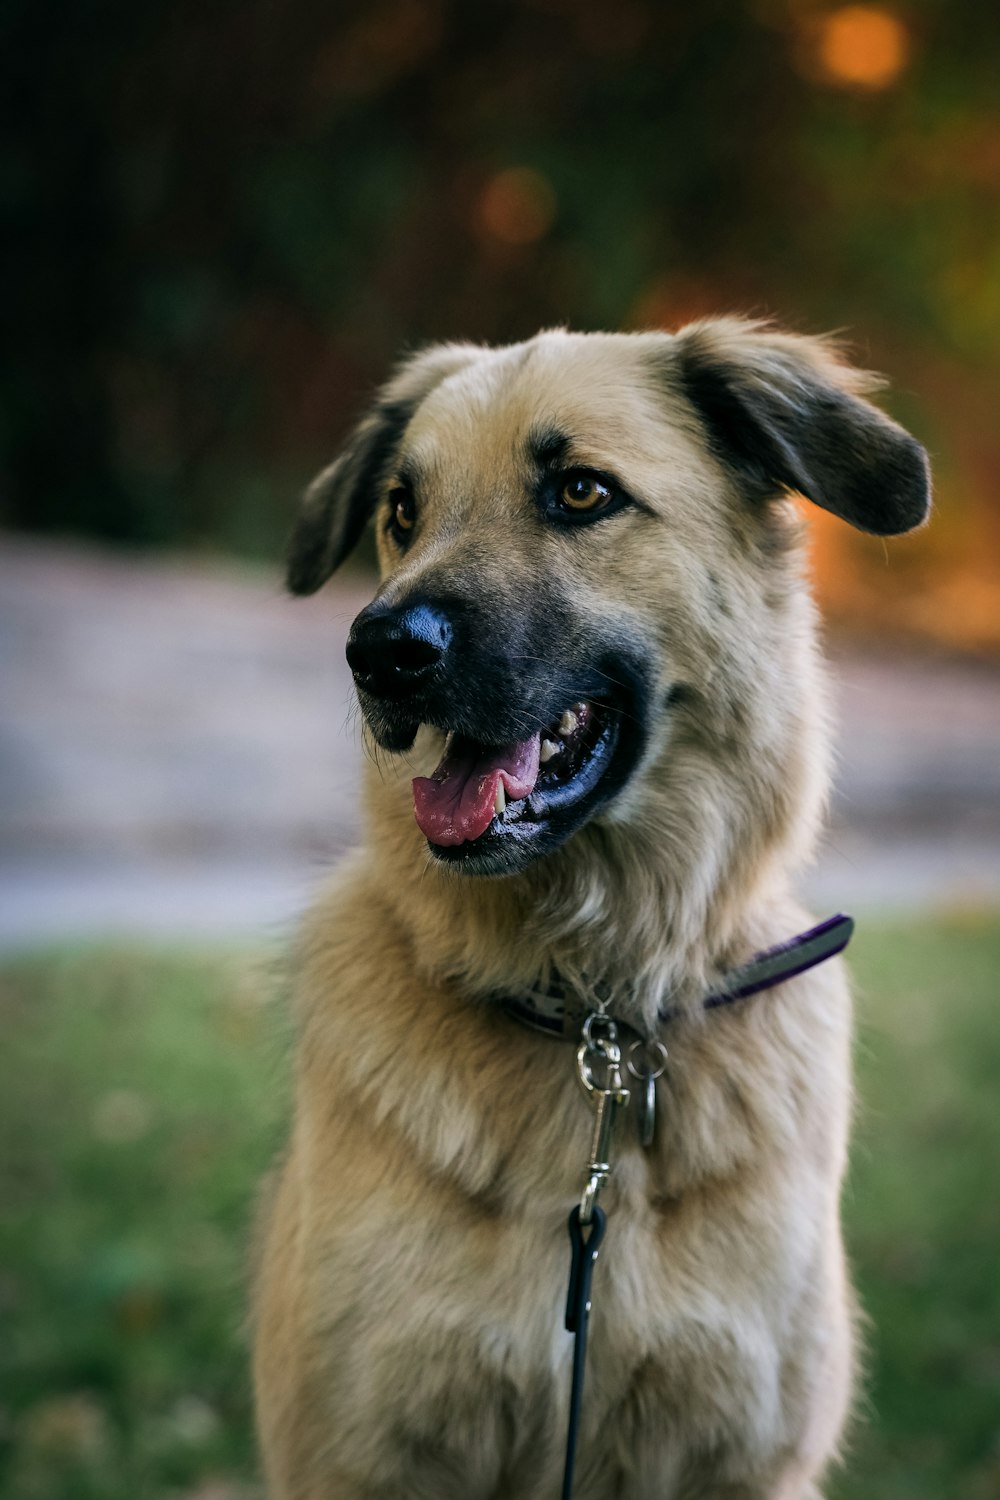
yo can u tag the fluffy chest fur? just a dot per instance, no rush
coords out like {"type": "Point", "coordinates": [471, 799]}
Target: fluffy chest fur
{"type": "Point", "coordinates": [434, 1269]}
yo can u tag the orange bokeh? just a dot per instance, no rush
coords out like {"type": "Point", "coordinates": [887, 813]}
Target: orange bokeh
{"type": "Point", "coordinates": [863, 46]}
{"type": "Point", "coordinates": [517, 206]}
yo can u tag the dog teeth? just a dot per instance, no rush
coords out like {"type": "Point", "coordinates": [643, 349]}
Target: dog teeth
{"type": "Point", "coordinates": [501, 799]}
{"type": "Point", "coordinates": [548, 749]}
{"type": "Point", "coordinates": [568, 723]}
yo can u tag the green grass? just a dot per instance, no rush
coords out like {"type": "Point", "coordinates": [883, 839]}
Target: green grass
{"type": "Point", "coordinates": [923, 1212]}
{"type": "Point", "coordinates": [139, 1102]}
{"type": "Point", "coordinates": [141, 1096]}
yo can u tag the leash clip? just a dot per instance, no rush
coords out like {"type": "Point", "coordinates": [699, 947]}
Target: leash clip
{"type": "Point", "coordinates": [599, 1050]}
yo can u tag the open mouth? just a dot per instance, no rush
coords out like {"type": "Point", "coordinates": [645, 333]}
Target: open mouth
{"type": "Point", "coordinates": [498, 806]}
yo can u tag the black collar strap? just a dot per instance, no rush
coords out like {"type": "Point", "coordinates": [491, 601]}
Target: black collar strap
{"type": "Point", "coordinates": [560, 1014]}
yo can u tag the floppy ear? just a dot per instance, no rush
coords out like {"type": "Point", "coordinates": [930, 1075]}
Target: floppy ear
{"type": "Point", "coordinates": [339, 501]}
{"type": "Point", "coordinates": [787, 414]}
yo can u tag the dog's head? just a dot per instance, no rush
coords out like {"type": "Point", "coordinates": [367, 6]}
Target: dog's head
{"type": "Point", "coordinates": [586, 562]}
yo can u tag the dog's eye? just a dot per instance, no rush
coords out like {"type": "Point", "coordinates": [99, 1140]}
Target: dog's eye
{"type": "Point", "coordinates": [582, 492]}
{"type": "Point", "coordinates": [402, 512]}
{"type": "Point", "coordinates": [577, 497]}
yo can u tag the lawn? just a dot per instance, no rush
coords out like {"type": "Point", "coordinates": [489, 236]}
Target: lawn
{"type": "Point", "coordinates": [142, 1095]}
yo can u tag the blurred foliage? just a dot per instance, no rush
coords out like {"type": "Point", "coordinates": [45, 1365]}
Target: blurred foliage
{"type": "Point", "coordinates": [143, 1099]}
{"type": "Point", "coordinates": [221, 222]}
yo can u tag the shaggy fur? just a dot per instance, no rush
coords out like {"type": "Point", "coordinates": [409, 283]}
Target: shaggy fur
{"type": "Point", "coordinates": [414, 1257]}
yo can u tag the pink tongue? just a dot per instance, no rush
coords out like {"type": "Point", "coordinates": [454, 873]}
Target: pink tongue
{"type": "Point", "coordinates": [457, 803]}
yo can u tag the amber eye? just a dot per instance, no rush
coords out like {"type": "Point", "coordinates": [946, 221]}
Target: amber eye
{"type": "Point", "coordinates": [585, 492]}
{"type": "Point", "coordinates": [404, 510]}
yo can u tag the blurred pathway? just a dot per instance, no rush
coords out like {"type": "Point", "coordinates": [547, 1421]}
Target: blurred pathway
{"type": "Point", "coordinates": [178, 755]}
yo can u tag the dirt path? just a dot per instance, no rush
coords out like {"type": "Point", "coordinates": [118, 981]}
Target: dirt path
{"type": "Point", "coordinates": [178, 754]}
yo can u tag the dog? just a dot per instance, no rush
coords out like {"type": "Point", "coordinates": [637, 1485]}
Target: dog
{"type": "Point", "coordinates": [592, 693]}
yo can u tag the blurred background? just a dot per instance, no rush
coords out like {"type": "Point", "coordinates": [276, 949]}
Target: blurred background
{"type": "Point", "coordinates": [221, 223]}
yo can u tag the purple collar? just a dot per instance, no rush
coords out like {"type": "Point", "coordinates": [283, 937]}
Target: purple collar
{"type": "Point", "coordinates": [559, 1014]}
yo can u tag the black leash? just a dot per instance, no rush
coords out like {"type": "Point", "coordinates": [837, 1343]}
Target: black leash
{"type": "Point", "coordinates": [585, 1245]}
{"type": "Point", "coordinates": [599, 1068]}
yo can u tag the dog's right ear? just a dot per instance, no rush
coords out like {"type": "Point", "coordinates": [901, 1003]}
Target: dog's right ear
{"type": "Point", "coordinates": [340, 499]}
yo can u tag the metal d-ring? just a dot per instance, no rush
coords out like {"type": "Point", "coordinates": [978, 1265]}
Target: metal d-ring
{"type": "Point", "coordinates": [595, 1042]}
{"type": "Point", "coordinates": [604, 1047]}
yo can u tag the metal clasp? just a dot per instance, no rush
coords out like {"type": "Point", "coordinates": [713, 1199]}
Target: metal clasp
{"type": "Point", "coordinates": [599, 1050]}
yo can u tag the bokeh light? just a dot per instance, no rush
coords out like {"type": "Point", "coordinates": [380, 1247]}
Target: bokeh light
{"type": "Point", "coordinates": [863, 46]}
{"type": "Point", "coordinates": [517, 206]}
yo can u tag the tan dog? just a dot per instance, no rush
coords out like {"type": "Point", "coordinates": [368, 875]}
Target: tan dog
{"type": "Point", "coordinates": [593, 623]}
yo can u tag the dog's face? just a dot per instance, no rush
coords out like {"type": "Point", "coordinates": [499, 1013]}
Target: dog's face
{"type": "Point", "coordinates": [572, 532]}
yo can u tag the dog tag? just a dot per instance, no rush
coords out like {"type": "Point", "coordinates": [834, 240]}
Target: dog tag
{"type": "Point", "coordinates": [645, 1100]}
{"type": "Point", "coordinates": [646, 1062]}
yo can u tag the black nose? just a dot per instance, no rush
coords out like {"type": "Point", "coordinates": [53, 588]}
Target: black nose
{"type": "Point", "coordinates": [392, 652]}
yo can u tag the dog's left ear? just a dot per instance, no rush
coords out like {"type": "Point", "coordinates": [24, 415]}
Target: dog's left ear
{"type": "Point", "coordinates": [339, 501]}
{"type": "Point", "coordinates": [787, 414]}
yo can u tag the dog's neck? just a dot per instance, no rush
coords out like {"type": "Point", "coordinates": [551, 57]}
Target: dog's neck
{"type": "Point", "coordinates": [651, 912]}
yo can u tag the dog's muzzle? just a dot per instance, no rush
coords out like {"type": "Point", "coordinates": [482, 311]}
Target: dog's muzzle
{"type": "Point", "coordinates": [534, 744]}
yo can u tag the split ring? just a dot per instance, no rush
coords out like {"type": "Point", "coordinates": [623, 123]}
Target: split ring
{"type": "Point", "coordinates": [651, 1050]}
